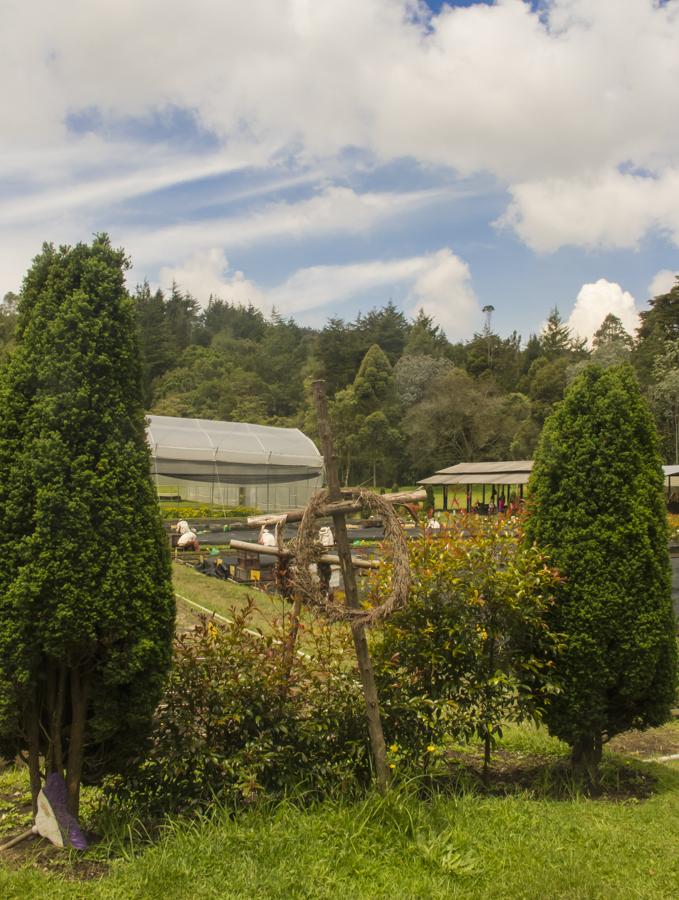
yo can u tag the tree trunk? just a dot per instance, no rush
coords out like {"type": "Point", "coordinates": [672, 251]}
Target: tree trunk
{"type": "Point", "coordinates": [586, 757]}
{"type": "Point", "coordinates": [33, 735]}
{"type": "Point", "coordinates": [57, 693]}
{"type": "Point", "coordinates": [76, 741]}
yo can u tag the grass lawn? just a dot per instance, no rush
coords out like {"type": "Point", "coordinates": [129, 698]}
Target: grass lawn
{"type": "Point", "coordinates": [399, 847]}
{"type": "Point", "coordinates": [221, 597]}
{"type": "Point", "coordinates": [530, 835]}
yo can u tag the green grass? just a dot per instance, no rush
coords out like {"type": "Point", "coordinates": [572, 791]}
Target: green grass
{"type": "Point", "coordinates": [224, 596]}
{"type": "Point", "coordinates": [399, 847]}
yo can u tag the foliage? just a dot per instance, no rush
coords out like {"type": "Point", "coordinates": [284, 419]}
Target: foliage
{"type": "Point", "coordinates": [462, 418]}
{"type": "Point", "coordinates": [659, 324]}
{"type": "Point", "coordinates": [86, 601]}
{"type": "Point", "coordinates": [237, 721]}
{"type": "Point", "coordinates": [212, 358]}
{"type": "Point", "coordinates": [597, 508]}
{"type": "Point", "coordinates": [205, 511]}
{"type": "Point", "coordinates": [664, 395]}
{"type": "Point", "coordinates": [471, 650]}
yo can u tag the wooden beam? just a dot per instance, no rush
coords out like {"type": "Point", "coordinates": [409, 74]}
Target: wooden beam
{"type": "Point", "coordinates": [331, 558]}
{"type": "Point", "coordinates": [330, 509]}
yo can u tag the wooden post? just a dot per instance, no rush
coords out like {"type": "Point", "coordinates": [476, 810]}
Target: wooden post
{"type": "Point", "coordinates": [378, 746]}
{"type": "Point", "coordinates": [296, 602]}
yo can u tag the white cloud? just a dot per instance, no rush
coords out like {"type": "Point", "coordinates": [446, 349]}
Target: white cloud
{"type": "Point", "coordinates": [595, 301]}
{"type": "Point", "coordinates": [662, 282]}
{"type": "Point", "coordinates": [444, 291]}
{"type": "Point", "coordinates": [563, 114]}
{"type": "Point", "coordinates": [600, 210]}
{"type": "Point", "coordinates": [440, 283]}
{"type": "Point", "coordinates": [208, 273]}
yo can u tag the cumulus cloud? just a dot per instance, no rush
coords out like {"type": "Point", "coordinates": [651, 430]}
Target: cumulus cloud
{"type": "Point", "coordinates": [595, 301]}
{"type": "Point", "coordinates": [609, 209]}
{"type": "Point", "coordinates": [568, 110]}
{"type": "Point", "coordinates": [439, 283]}
{"type": "Point", "coordinates": [662, 282]}
{"type": "Point", "coordinates": [208, 273]}
{"type": "Point", "coordinates": [444, 291]}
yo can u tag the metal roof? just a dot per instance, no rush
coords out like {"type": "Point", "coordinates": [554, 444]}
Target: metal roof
{"type": "Point", "coordinates": [512, 471]}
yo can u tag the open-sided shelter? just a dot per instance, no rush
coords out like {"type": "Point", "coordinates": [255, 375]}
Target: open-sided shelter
{"type": "Point", "coordinates": [511, 474]}
{"type": "Point", "coordinates": [515, 474]}
{"type": "Point", "coordinates": [233, 463]}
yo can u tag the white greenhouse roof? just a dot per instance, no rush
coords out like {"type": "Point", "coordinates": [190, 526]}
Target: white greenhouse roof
{"type": "Point", "coordinates": [202, 440]}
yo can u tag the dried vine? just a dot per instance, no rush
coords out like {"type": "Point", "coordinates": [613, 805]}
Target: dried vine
{"type": "Point", "coordinates": [308, 550]}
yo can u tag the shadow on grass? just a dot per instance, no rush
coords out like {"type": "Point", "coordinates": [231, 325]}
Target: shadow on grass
{"type": "Point", "coordinates": [549, 777]}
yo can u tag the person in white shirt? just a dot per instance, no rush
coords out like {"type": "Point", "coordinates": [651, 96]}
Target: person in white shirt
{"type": "Point", "coordinates": [266, 538]}
{"type": "Point", "coordinates": [433, 525]}
{"type": "Point", "coordinates": [326, 537]}
{"type": "Point", "coordinates": [188, 539]}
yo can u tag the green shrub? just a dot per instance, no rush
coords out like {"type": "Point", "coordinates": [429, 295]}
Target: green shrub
{"type": "Point", "coordinates": [597, 508]}
{"type": "Point", "coordinates": [86, 602]}
{"type": "Point", "coordinates": [235, 724]}
{"type": "Point", "coordinates": [471, 649]}
{"type": "Point", "coordinates": [205, 511]}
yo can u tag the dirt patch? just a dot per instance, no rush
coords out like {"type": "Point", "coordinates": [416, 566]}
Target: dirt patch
{"type": "Point", "coordinates": [663, 741]}
{"type": "Point", "coordinates": [546, 777]}
{"type": "Point", "coordinates": [38, 853]}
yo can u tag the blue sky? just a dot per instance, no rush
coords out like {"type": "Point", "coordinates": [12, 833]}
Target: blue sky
{"type": "Point", "coordinates": [325, 157]}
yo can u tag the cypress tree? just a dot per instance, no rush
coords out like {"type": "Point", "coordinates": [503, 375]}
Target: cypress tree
{"type": "Point", "coordinates": [86, 601]}
{"type": "Point", "coordinates": [597, 508]}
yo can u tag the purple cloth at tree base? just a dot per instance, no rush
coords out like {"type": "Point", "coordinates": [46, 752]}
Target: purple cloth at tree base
{"type": "Point", "coordinates": [54, 790]}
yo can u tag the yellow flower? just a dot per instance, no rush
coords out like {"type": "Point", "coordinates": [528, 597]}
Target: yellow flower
{"type": "Point", "coordinates": [392, 765]}
{"type": "Point", "coordinates": [431, 748]}
{"type": "Point", "coordinates": [394, 748]}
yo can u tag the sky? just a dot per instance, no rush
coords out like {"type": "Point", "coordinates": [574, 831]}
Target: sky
{"type": "Point", "coordinates": [325, 157]}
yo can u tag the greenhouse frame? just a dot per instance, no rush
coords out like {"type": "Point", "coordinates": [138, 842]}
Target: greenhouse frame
{"type": "Point", "coordinates": [233, 463]}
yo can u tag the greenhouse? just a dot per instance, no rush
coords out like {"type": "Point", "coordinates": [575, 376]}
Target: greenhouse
{"type": "Point", "coordinates": [233, 463]}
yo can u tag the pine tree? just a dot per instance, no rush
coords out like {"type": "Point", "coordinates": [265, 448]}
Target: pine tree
{"type": "Point", "coordinates": [86, 601]}
{"type": "Point", "coordinates": [597, 508]}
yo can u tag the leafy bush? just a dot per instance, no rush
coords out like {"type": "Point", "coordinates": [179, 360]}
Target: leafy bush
{"type": "Point", "coordinates": [237, 722]}
{"type": "Point", "coordinates": [205, 511]}
{"type": "Point", "coordinates": [471, 649]}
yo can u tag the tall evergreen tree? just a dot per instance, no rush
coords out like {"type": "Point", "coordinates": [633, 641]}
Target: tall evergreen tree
{"type": "Point", "coordinates": [86, 601]}
{"type": "Point", "coordinates": [156, 338]}
{"type": "Point", "coordinates": [597, 508]}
